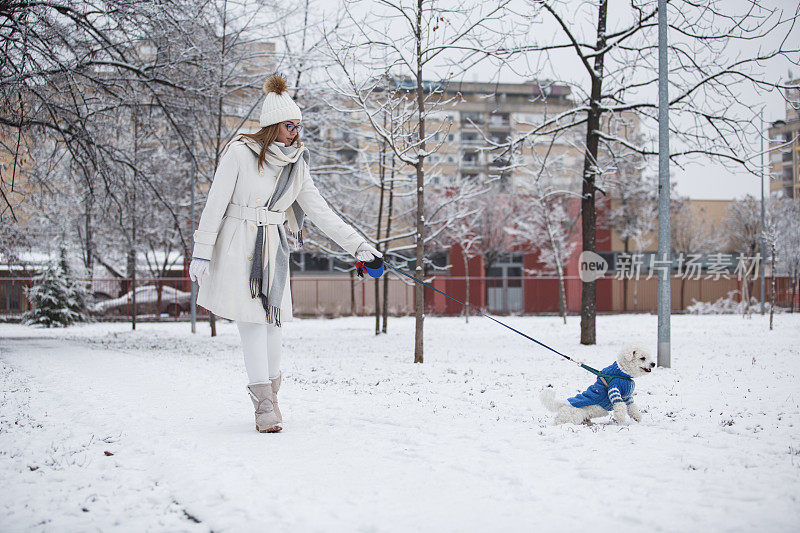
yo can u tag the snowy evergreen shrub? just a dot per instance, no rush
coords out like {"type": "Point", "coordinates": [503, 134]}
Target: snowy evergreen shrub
{"type": "Point", "coordinates": [57, 300]}
{"type": "Point", "coordinates": [76, 294]}
{"type": "Point", "coordinates": [728, 305]}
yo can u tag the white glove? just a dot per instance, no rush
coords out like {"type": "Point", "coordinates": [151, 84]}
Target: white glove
{"type": "Point", "coordinates": [366, 252]}
{"type": "Point", "coordinates": [197, 269]}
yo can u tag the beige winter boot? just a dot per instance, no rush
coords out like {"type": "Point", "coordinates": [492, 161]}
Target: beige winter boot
{"type": "Point", "coordinates": [266, 418]}
{"type": "Point", "coordinates": [276, 386]}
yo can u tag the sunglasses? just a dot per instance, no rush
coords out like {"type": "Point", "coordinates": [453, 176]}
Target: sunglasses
{"type": "Point", "coordinates": [291, 127]}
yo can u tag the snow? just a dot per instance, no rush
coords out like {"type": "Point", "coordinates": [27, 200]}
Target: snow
{"type": "Point", "coordinates": [374, 443]}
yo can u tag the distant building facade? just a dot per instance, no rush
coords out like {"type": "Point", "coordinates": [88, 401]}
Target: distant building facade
{"type": "Point", "coordinates": [784, 143]}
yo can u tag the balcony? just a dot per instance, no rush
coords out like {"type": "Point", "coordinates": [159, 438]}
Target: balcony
{"type": "Point", "coordinates": [500, 162]}
{"type": "Point", "coordinates": [499, 121]}
{"type": "Point", "coordinates": [467, 118]}
{"type": "Point", "coordinates": [471, 141]}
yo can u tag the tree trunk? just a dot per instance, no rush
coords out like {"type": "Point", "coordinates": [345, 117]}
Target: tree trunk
{"type": "Point", "coordinates": [132, 251]}
{"type": "Point", "coordinates": [562, 304]}
{"type": "Point", "coordinates": [745, 295]}
{"type": "Point", "coordinates": [466, 279]}
{"type": "Point", "coordinates": [132, 277]}
{"type": "Point", "coordinates": [352, 292]}
{"type": "Point", "coordinates": [683, 293]}
{"type": "Point", "coordinates": [212, 318]}
{"type": "Point", "coordinates": [89, 257]}
{"type": "Point", "coordinates": [386, 248]}
{"type": "Point", "coordinates": [772, 288]}
{"type": "Point", "coordinates": [625, 281]}
{"type": "Point", "coordinates": [159, 301]}
{"type": "Point", "coordinates": [590, 170]}
{"type": "Point", "coordinates": [562, 293]}
{"type": "Point", "coordinates": [419, 303]}
{"type": "Point", "coordinates": [382, 177]}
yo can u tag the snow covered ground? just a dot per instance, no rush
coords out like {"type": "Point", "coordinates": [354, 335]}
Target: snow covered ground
{"type": "Point", "coordinates": [103, 428]}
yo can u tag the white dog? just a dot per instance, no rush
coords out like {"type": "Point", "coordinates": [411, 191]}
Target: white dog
{"type": "Point", "coordinates": [613, 391]}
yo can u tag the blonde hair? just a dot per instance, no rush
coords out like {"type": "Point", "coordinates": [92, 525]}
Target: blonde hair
{"type": "Point", "coordinates": [266, 136]}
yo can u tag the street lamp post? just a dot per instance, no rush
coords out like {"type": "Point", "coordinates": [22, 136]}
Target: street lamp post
{"type": "Point", "coordinates": [762, 267]}
{"type": "Point", "coordinates": [664, 288]}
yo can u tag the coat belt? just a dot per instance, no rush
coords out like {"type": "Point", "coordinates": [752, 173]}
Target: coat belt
{"type": "Point", "coordinates": [260, 215]}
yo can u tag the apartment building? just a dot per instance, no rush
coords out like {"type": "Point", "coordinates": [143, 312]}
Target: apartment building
{"type": "Point", "coordinates": [784, 142]}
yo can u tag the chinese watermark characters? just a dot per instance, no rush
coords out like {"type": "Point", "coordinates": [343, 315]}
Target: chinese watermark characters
{"type": "Point", "coordinates": [689, 266]}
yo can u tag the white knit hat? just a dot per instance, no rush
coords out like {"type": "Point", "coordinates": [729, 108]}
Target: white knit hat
{"type": "Point", "coordinates": [278, 105]}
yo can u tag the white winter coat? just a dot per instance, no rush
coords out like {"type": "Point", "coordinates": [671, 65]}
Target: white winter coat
{"type": "Point", "coordinates": [228, 242]}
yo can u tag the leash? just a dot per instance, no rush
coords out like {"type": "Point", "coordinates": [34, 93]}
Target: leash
{"type": "Point", "coordinates": [604, 378]}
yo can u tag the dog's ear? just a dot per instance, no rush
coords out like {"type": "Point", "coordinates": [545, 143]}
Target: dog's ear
{"type": "Point", "coordinates": [630, 352]}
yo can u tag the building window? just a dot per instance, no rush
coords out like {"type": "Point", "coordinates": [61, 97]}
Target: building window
{"type": "Point", "coordinates": [439, 259]}
{"type": "Point", "coordinates": [473, 117]}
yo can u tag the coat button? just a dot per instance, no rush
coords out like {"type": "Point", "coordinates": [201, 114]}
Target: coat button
{"type": "Point", "coordinates": [249, 257]}
{"type": "Point", "coordinates": [252, 227]}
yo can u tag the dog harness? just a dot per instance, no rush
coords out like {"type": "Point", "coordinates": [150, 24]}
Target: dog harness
{"type": "Point", "coordinates": [612, 386]}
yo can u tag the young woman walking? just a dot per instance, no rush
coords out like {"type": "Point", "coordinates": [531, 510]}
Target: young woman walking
{"type": "Point", "coordinates": [261, 193]}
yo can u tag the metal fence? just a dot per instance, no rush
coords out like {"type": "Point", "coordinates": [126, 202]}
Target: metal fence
{"type": "Point", "coordinates": [340, 295]}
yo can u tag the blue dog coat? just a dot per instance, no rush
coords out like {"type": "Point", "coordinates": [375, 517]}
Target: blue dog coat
{"type": "Point", "coordinates": [619, 390]}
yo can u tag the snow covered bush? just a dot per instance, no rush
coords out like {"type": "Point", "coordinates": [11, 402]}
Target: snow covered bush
{"type": "Point", "coordinates": [57, 299]}
{"type": "Point", "coordinates": [728, 305]}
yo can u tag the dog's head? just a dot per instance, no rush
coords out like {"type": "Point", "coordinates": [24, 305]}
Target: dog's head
{"type": "Point", "coordinates": [635, 360]}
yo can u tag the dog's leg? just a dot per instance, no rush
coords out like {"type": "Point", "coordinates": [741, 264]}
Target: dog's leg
{"type": "Point", "coordinates": [634, 411]}
{"type": "Point", "coordinates": [594, 411]}
{"type": "Point", "coordinates": [564, 415]}
{"type": "Point", "coordinates": [567, 414]}
{"type": "Point", "coordinates": [620, 413]}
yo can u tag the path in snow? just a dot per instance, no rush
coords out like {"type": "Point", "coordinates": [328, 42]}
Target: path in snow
{"type": "Point", "coordinates": [374, 443]}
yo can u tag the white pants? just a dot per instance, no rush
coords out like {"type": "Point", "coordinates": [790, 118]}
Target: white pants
{"type": "Point", "coordinates": [261, 344]}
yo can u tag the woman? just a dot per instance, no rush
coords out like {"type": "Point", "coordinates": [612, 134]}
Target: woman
{"type": "Point", "coordinates": [261, 193]}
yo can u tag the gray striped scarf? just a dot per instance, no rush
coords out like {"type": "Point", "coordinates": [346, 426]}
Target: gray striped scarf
{"type": "Point", "coordinates": [271, 294]}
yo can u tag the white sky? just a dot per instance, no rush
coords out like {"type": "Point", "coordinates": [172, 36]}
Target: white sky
{"type": "Point", "coordinates": [703, 178]}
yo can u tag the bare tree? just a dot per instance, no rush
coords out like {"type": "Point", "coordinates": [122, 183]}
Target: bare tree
{"type": "Point", "coordinates": [404, 41]}
{"type": "Point", "coordinates": [462, 231]}
{"type": "Point", "coordinates": [744, 234]}
{"type": "Point", "coordinates": [690, 234]}
{"type": "Point", "coordinates": [542, 213]}
{"type": "Point", "coordinates": [133, 105]}
{"type": "Point", "coordinates": [619, 62]}
{"type": "Point", "coordinates": [784, 241]}
{"type": "Point", "coordinates": [633, 198]}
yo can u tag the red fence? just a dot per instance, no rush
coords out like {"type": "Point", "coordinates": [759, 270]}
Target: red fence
{"type": "Point", "coordinates": [337, 295]}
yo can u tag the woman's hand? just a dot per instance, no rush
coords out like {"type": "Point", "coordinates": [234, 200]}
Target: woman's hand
{"type": "Point", "coordinates": [197, 269]}
{"type": "Point", "coordinates": [366, 252]}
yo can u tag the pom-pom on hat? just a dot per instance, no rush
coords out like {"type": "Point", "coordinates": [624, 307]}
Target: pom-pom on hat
{"type": "Point", "coordinates": [278, 105]}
